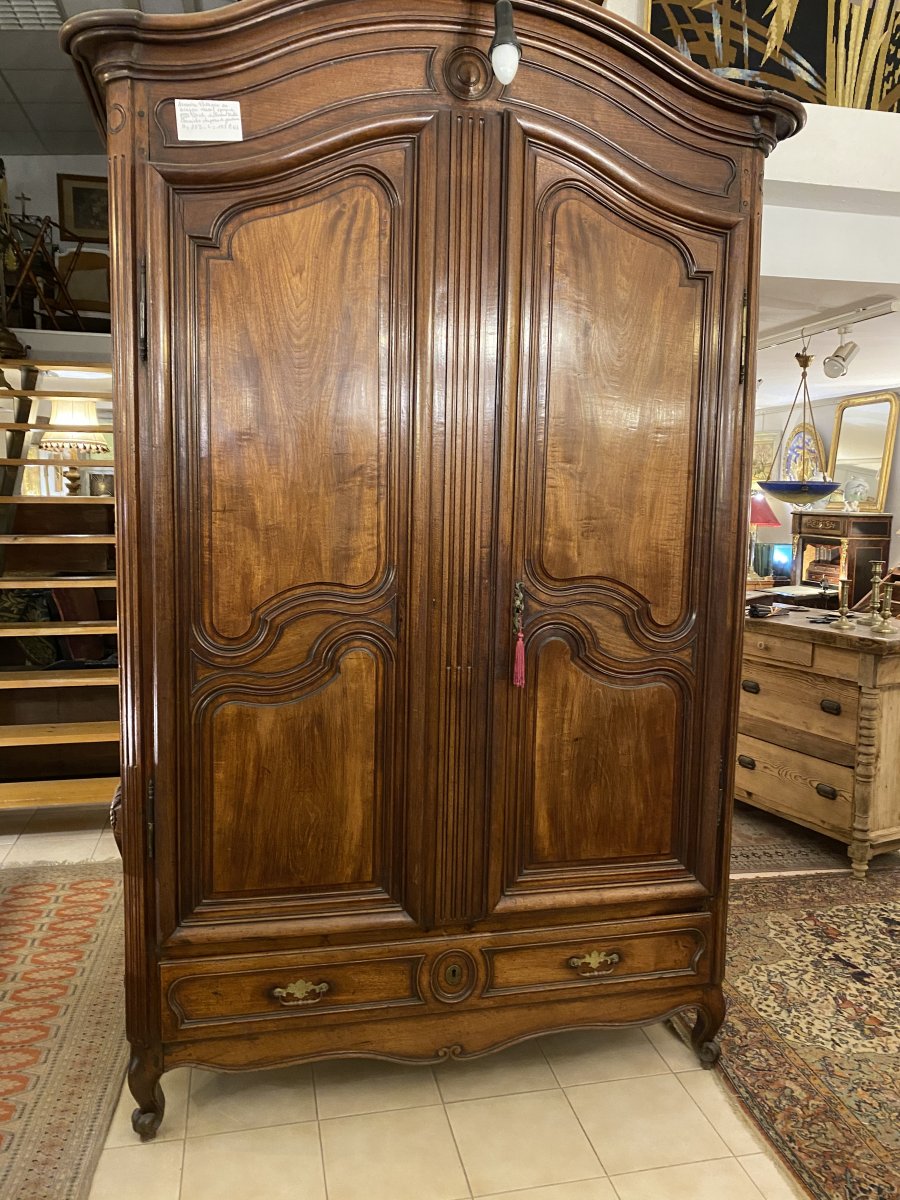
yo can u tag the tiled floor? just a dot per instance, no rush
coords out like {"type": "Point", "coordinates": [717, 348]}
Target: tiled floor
{"type": "Point", "coordinates": [595, 1115]}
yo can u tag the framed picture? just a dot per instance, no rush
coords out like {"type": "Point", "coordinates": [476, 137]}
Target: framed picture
{"type": "Point", "coordinates": [764, 446]}
{"type": "Point", "coordinates": [83, 208]}
{"type": "Point", "coordinates": [846, 54]}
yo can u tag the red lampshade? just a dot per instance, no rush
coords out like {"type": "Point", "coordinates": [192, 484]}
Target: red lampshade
{"type": "Point", "coordinates": [761, 511]}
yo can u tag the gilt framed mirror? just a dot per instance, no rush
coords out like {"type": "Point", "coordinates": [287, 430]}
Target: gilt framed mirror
{"type": "Point", "coordinates": [862, 447]}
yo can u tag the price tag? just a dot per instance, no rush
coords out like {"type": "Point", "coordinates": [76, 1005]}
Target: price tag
{"type": "Point", "coordinates": [208, 121]}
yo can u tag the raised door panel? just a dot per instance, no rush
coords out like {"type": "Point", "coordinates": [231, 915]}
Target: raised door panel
{"type": "Point", "coordinates": [607, 762]}
{"type": "Point", "coordinates": [283, 752]}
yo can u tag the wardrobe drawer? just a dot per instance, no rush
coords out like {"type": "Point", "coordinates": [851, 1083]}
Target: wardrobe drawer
{"type": "Point", "coordinates": [776, 649]}
{"type": "Point", "coordinates": [199, 995]}
{"type": "Point", "coordinates": [814, 791]}
{"type": "Point", "coordinates": [800, 700]}
{"type": "Point", "coordinates": [654, 955]}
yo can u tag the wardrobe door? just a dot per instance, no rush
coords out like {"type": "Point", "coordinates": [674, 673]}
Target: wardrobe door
{"type": "Point", "coordinates": [623, 468]}
{"type": "Point", "coordinates": [283, 641]}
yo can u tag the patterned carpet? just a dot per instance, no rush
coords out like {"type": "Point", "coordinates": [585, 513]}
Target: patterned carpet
{"type": "Point", "coordinates": [811, 1043]}
{"type": "Point", "coordinates": [62, 1041]}
{"type": "Point", "coordinates": [761, 842]}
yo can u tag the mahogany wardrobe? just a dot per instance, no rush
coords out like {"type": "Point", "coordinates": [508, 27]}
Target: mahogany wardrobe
{"type": "Point", "coordinates": [434, 399]}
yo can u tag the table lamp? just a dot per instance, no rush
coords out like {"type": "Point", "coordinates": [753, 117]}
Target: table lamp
{"type": "Point", "coordinates": [760, 514]}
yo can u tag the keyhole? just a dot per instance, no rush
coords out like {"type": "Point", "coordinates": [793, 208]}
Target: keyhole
{"type": "Point", "coordinates": [454, 974]}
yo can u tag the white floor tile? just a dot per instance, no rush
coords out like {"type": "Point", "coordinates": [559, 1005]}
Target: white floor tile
{"type": "Point", "coordinates": [711, 1095]}
{"type": "Point", "coordinates": [585, 1189]}
{"type": "Point", "coordinates": [346, 1087]}
{"type": "Point", "coordinates": [772, 1179]}
{"type": "Point", "coordinates": [141, 1172]}
{"type": "Point", "coordinates": [223, 1102]}
{"type": "Point", "coordinates": [407, 1154]}
{"type": "Point", "coordinates": [281, 1163]}
{"type": "Point", "coordinates": [595, 1055]}
{"type": "Point", "coordinates": [519, 1069]}
{"type": "Point", "coordinates": [524, 1141]}
{"type": "Point", "coordinates": [672, 1047]}
{"type": "Point", "coordinates": [4, 850]}
{"type": "Point", "coordinates": [639, 1124]}
{"type": "Point", "coordinates": [52, 848]}
{"type": "Point", "coordinates": [175, 1085]}
{"type": "Point", "coordinates": [106, 849]}
{"type": "Point", "coordinates": [723, 1179]}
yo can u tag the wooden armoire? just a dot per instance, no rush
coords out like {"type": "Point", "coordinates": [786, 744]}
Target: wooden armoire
{"type": "Point", "coordinates": [407, 363]}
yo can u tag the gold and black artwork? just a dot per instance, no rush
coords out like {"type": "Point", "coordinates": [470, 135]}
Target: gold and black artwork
{"type": "Point", "coordinates": [843, 52]}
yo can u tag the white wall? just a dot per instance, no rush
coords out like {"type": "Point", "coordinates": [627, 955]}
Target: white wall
{"type": "Point", "coordinates": [35, 174]}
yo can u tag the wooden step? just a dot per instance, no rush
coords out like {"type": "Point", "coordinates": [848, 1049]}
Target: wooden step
{"type": "Point", "coordinates": [61, 734]}
{"type": "Point", "coordinates": [56, 462]}
{"type": "Point", "coordinates": [16, 582]}
{"type": "Point", "coordinates": [86, 677]}
{"type": "Point", "coordinates": [23, 426]}
{"type": "Point", "coordinates": [57, 500]}
{"type": "Point", "coordinates": [56, 628]}
{"type": "Point", "coordinates": [46, 364]}
{"type": "Point", "coordinates": [14, 393]}
{"type": "Point", "coordinates": [56, 539]}
{"type": "Point", "coordinates": [53, 793]}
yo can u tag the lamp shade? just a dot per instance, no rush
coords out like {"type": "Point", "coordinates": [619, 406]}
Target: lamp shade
{"type": "Point", "coordinates": [77, 418]}
{"type": "Point", "coordinates": [761, 510]}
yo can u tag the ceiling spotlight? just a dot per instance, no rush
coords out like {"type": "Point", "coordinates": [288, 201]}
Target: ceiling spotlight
{"type": "Point", "coordinates": [836, 364]}
{"type": "Point", "coordinates": [505, 48]}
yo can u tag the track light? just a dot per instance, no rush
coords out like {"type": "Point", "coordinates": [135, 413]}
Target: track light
{"type": "Point", "coordinates": [505, 48]}
{"type": "Point", "coordinates": [836, 364]}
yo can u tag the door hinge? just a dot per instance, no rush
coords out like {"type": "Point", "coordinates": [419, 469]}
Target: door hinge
{"type": "Point", "coordinates": [743, 372]}
{"type": "Point", "coordinates": [721, 792]}
{"type": "Point", "coordinates": [150, 817]}
{"type": "Point", "coordinates": [142, 312]}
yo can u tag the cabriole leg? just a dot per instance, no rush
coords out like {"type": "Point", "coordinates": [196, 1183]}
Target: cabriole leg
{"type": "Point", "coordinates": [144, 1074]}
{"type": "Point", "coordinates": [709, 1021]}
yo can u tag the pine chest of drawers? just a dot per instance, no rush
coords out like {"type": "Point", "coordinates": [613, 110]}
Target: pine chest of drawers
{"type": "Point", "coordinates": [819, 733]}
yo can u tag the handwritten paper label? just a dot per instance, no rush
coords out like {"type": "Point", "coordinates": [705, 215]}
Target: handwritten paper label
{"type": "Point", "coordinates": [208, 121]}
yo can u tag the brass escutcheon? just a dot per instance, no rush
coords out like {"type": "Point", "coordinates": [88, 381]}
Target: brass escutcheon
{"type": "Point", "coordinates": [593, 962]}
{"type": "Point", "coordinates": [300, 992]}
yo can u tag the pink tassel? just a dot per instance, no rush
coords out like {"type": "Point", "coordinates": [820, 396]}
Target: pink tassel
{"type": "Point", "coordinates": [519, 665]}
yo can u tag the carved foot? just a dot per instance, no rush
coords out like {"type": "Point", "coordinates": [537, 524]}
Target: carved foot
{"type": "Point", "coordinates": [708, 1023]}
{"type": "Point", "coordinates": [144, 1073]}
{"type": "Point", "coordinates": [859, 859]}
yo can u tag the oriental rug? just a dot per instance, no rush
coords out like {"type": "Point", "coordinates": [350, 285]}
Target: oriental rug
{"type": "Point", "coordinates": [762, 843]}
{"type": "Point", "coordinates": [811, 1041]}
{"type": "Point", "coordinates": [62, 1039]}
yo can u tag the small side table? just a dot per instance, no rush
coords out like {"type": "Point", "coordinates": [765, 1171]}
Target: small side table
{"type": "Point", "coordinates": [828, 547]}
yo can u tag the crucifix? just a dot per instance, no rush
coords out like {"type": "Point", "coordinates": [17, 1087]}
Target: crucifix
{"type": "Point", "coordinates": [21, 196]}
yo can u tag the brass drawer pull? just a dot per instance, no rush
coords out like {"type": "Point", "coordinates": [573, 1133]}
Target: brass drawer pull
{"type": "Point", "coordinates": [825, 790]}
{"type": "Point", "coordinates": [594, 960]}
{"type": "Point", "coordinates": [300, 992]}
{"type": "Point", "coordinates": [744, 760]}
{"type": "Point", "coordinates": [830, 706]}
{"type": "Point", "coordinates": [750, 685]}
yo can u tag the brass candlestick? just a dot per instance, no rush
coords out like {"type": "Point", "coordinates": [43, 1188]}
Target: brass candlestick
{"type": "Point", "coordinates": [844, 595]}
{"type": "Point", "coordinates": [873, 616]}
{"type": "Point", "coordinates": [886, 624]}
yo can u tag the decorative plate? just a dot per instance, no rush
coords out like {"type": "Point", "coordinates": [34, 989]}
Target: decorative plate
{"type": "Point", "coordinates": [803, 438]}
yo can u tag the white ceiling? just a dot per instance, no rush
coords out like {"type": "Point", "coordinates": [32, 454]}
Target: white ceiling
{"type": "Point", "coordinates": [43, 109]}
{"type": "Point", "coordinates": [786, 303]}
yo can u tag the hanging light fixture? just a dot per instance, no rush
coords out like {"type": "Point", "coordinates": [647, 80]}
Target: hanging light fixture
{"type": "Point", "coordinates": [805, 490]}
{"type": "Point", "coordinates": [836, 364]}
{"type": "Point", "coordinates": [505, 48]}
